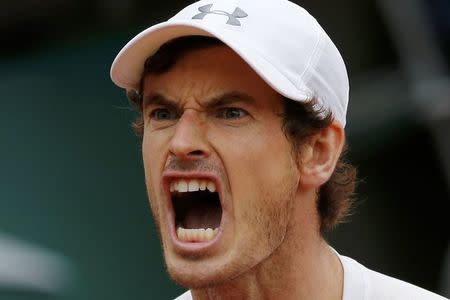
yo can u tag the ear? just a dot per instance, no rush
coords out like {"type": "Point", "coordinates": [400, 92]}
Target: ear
{"type": "Point", "coordinates": [319, 156]}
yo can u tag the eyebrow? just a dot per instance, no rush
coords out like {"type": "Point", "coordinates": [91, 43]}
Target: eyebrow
{"type": "Point", "coordinates": [230, 98]}
{"type": "Point", "coordinates": [226, 98]}
{"type": "Point", "coordinates": [158, 99]}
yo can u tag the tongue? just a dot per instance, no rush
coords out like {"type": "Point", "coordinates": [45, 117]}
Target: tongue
{"type": "Point", "coordinates": [206, 215]}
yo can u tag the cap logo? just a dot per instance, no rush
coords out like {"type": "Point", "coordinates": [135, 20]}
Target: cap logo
{"type": "Point", "coordinates": [232, 18]}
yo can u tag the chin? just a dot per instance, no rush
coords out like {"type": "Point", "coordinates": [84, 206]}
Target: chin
{"type": "Point", "coordinates": [196, 280]}
{"type": "Point", "coordinates": [198, 275]}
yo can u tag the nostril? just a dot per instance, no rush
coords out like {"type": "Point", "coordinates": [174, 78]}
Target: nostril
{"type": "Point", "coordinates": [196, 153]}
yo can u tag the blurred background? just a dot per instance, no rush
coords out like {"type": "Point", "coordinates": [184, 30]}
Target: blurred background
{"type": "Point", "coordinates": [74, 217]}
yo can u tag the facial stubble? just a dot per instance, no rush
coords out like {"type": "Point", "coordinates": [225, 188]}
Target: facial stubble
{"type": "Point", "coordinates": [267, 219]}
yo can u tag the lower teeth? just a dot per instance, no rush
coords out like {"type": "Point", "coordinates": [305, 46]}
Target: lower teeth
{"type": "Point", "coordinates": [196, 235]}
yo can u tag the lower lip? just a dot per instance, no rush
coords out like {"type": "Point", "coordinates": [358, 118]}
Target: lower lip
{"type": "Point", "coordinates": [197, 248]}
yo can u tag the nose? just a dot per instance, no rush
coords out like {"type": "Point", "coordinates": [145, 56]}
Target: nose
{"type": "Point", "coordinates": [189, 140]}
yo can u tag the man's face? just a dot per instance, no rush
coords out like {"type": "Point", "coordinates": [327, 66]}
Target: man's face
{"type": "Point", "coordinates": [215, 156]}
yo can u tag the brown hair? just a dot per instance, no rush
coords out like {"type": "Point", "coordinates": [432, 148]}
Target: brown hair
{"type": "Point", "coordinates": [300, 121]}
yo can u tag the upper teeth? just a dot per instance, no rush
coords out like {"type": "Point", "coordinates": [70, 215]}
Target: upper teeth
{"type": "Point", "coordinates": [192, 185]}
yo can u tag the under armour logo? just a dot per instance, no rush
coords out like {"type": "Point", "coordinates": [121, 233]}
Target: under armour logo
{"type": "Point", "coordinates": [232, 18]}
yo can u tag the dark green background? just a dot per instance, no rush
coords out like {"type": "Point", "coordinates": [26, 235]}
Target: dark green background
{"type": "Point", "coordinates": [71, 178]}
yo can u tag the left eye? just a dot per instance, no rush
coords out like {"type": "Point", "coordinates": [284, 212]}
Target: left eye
{"type": "Point", "coordinates": [232, 113]}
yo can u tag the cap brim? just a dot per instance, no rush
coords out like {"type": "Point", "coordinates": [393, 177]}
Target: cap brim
{"type": "Point", "coordinates": [128, 66]}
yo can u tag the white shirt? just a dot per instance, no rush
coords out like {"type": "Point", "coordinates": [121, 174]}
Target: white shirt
{"type": "Point", "coordinates": [361, 283]}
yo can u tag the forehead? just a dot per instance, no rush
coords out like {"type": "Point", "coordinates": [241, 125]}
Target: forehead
{"type": "Point", "coordinates": [205, 73]}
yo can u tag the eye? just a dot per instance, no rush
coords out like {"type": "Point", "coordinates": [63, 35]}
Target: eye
{"type": "Point", "coordinates": [162, 114]}
{"type": "Point", "coordinates": [232, 113]}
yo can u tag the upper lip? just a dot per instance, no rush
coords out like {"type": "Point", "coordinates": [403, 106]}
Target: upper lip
{"type": "Point", "coordinates": [171, 175]}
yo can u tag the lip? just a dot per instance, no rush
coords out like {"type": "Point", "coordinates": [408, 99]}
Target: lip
{"type": "Point", "coordinates": [190, 248]}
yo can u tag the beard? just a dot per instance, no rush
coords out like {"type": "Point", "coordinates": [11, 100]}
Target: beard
{"type": "Point", "coordinates": [263, 221]}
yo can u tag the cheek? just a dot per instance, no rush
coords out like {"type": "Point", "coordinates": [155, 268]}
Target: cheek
{"type": "Point", "coordinates": [256, 165]}
{"type": "Point", "coordinates": [154, 151]}
{"type": "Point", "coordinates": [262, 156]}
{"type": "Point", "coordinates": [154, 159]}
{"type": "Point", "coordinates": [263, 180]}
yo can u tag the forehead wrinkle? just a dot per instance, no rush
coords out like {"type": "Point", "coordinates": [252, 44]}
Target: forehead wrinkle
{"type": "Point", "coordinates": [192, 83]}
{"type": "Point", "coordinates": [182, 89]}
{"type": "Point", "coordinates": [155, 98]}
{"type": "Point", "coordinates": [205, 97]}
{"type": "Point", "coordinates": [192, 75]}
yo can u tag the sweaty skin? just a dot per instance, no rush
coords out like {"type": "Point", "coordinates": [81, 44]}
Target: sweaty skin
{"type": "Point", "coordinates": [212, 115]}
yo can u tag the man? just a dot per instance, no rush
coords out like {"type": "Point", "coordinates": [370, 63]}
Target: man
{"type": "Point", "coordinates": [243, 109]}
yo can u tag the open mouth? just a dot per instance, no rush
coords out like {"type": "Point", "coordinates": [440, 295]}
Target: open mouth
{"type": "Point", "coordinates": [197, 208]}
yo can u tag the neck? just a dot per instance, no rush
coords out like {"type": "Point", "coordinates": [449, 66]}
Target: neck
{"type": "Point", "coordinates": [302, 267]}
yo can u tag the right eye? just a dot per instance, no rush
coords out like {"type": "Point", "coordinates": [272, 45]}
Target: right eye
{"type": "Point", "coordinates": [162, 114]}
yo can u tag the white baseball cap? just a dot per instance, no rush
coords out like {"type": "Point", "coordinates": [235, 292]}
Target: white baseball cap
{"type": "Point", "coordinates": [280, 41]}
